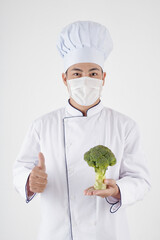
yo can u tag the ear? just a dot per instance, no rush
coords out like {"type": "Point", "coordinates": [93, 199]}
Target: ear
{"type": "Point", "coordinates": [104, 75]}
{"type": "Point", "coordinates": [64, 78]}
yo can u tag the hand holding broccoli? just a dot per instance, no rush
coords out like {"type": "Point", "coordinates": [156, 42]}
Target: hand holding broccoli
{"type": "Point", "coordinates": [100, 157]}
{"type": "Point", "coordinates": [111, 190]}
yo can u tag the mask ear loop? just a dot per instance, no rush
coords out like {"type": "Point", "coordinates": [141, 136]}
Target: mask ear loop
{"type": "Point", "coordinates": [101, 88]}
{"type": "Point", "coordinates": [69, 88]}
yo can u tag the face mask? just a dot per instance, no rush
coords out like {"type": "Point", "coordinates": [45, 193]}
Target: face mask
{"type": "Point", "coordinates": [85, 90]}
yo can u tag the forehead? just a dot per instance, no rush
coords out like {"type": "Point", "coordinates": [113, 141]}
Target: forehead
{"type": "Point", "coordinates": [84, 66]}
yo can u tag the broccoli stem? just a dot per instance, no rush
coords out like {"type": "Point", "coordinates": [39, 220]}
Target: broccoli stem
{"type": "Point", "coordinates": [100, 176]}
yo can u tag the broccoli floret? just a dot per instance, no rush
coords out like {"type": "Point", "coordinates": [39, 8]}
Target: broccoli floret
{"type": "Point", "coordinates": [100, 157]}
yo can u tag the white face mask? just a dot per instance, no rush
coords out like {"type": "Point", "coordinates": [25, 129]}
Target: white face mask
{"type": "Point", "coordinates": [85, 90]}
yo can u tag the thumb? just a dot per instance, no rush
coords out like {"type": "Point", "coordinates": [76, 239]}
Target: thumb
{"type": "Point", "coordinates": [41, 162]}
{"type": "Point", "coordinates": [110, 182]}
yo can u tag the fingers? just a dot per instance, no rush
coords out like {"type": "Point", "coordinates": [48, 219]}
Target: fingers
{"type": "Point", "coordinates": [37, 184]}
{"type": "Point", "coordinates": [36, 172]}
{"type": "Point", "coordinates": [90, 188]}
{"type": "Point", "coordinates": [89, 191]}
{"type": "Point", "coordinates": [103, 193]}
{"type": "Point", "coordinates": [38, 180]}
{"type": "Point", "coordinates": [37, 189]}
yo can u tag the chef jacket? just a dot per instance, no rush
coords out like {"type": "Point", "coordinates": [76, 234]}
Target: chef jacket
{"type": "Point", "coordinates": [63, 136]}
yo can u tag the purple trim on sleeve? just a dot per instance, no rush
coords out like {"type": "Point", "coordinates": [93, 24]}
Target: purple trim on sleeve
{"type": "Point", "coordinates": [28, 199]}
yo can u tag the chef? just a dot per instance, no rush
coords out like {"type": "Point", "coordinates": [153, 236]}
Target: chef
{"type": "Point", "coordinates": [51, 159]}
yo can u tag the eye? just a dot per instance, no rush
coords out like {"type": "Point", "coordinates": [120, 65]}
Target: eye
{"type": "Point", "coordinates": [75, 73]}
{"type": "Point", "coordinates": [94, 73]}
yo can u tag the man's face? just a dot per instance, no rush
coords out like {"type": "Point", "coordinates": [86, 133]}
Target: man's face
{"type": "Point", "coordinates": [84, 69]}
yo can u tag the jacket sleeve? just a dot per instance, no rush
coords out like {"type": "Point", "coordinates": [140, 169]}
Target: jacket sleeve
{"type": "Point", "coordinates": [134, 180]}
{"type": "Point", "coordinates": [26, 160]}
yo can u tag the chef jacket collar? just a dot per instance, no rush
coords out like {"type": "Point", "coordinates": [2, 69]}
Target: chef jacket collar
{"type": "Point", "coordinates": [76, 112]}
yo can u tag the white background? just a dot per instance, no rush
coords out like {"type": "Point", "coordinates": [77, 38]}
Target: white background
{"type": "Point", "coordinates": [31, 85]}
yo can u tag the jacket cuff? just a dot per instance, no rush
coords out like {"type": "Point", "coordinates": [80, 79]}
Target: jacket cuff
{"type": "Point", "coordinates": [28, 199]}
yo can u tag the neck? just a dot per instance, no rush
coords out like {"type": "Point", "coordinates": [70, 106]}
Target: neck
{"type": "Point", "coordinates": [83, 109]}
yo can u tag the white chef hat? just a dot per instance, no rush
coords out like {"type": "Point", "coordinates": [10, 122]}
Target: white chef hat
{"type": "Point", "coordinates": [84, 41]}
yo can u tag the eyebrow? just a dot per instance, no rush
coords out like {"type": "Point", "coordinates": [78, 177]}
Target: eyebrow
{"type": "Point", "coordinates": [77, 69]}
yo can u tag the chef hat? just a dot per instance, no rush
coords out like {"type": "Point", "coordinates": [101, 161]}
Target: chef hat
{"type": "Point", "coordinates": [84, 41]}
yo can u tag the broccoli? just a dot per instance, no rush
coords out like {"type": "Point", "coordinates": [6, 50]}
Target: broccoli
{"type": "Point", "coordinates": [100, 157]}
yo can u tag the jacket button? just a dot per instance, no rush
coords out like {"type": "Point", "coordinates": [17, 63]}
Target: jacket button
{"type": "Point", "coordinates": [70, 170]}
{"type": "Point", "coordinates": [68, 144]}
{"type": "Point", "coordinates": [72, 197]}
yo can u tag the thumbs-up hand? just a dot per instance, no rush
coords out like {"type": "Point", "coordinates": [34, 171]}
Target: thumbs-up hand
{"type": "Point", "coordinates": [38, 177]}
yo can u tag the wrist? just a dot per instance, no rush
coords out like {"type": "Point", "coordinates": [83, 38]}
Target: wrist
{"type": "Point", "coordinates": [117, 193]}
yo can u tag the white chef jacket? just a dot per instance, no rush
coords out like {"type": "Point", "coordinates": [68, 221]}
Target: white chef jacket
{"type": "Point", "coordinates": [63, 136]}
